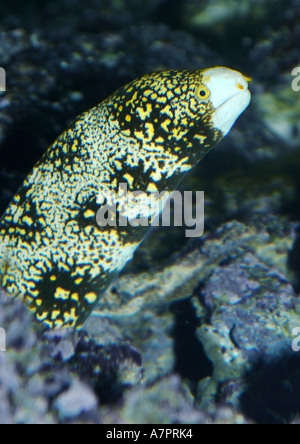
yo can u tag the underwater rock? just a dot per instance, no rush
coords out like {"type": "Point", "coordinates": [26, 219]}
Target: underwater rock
{"type": "Point", "coordinates": [252, 291]}
{"type": "Point", "coordinates": [147, 330]}
{"type": "Point", "coordinates": [166, 402]}
{"type": "Point", "coordinates": [20, 401]}
{"type": "Point", "coordinates": [247, 311]}
{"type": "Point", "coordinates": [78, 400]}
{"type": "Point", "coordinates": [41, 374]}
{"type": "Point", "coordinates": [253, 314]}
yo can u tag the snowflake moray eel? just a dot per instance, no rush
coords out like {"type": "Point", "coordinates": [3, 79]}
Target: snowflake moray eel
{"type": "Point", "coordinates": [149, 134]}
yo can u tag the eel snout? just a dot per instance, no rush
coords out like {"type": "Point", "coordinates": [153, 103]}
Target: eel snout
{"type": "Point", "coordinates": [230, 95]}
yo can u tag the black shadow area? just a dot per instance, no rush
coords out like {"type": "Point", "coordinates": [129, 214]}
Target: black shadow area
{"type": "Point", "coordinates": [273, 390]}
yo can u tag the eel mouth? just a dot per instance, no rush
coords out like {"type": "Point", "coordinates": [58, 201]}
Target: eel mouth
{"type": "Point", "coordinates": [229, 111]}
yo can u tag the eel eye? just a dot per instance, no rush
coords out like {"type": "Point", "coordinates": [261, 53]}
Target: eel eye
{"type": "Point", "coordinates": [203, 93]}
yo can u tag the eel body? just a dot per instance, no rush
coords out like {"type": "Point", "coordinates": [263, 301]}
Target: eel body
{"type": "Point", "coordinates": [149, 134]}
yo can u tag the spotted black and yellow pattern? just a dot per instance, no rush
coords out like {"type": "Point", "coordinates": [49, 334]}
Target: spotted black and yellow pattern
{"type": "Point", "coordinates": [53, 253]}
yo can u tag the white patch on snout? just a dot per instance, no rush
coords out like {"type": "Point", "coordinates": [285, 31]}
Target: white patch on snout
{"type": "Point", "coordinates": [230, 96]}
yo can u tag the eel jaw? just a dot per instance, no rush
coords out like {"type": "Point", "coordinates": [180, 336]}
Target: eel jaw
{"type": "Point", "coordinates": [230, 96]}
